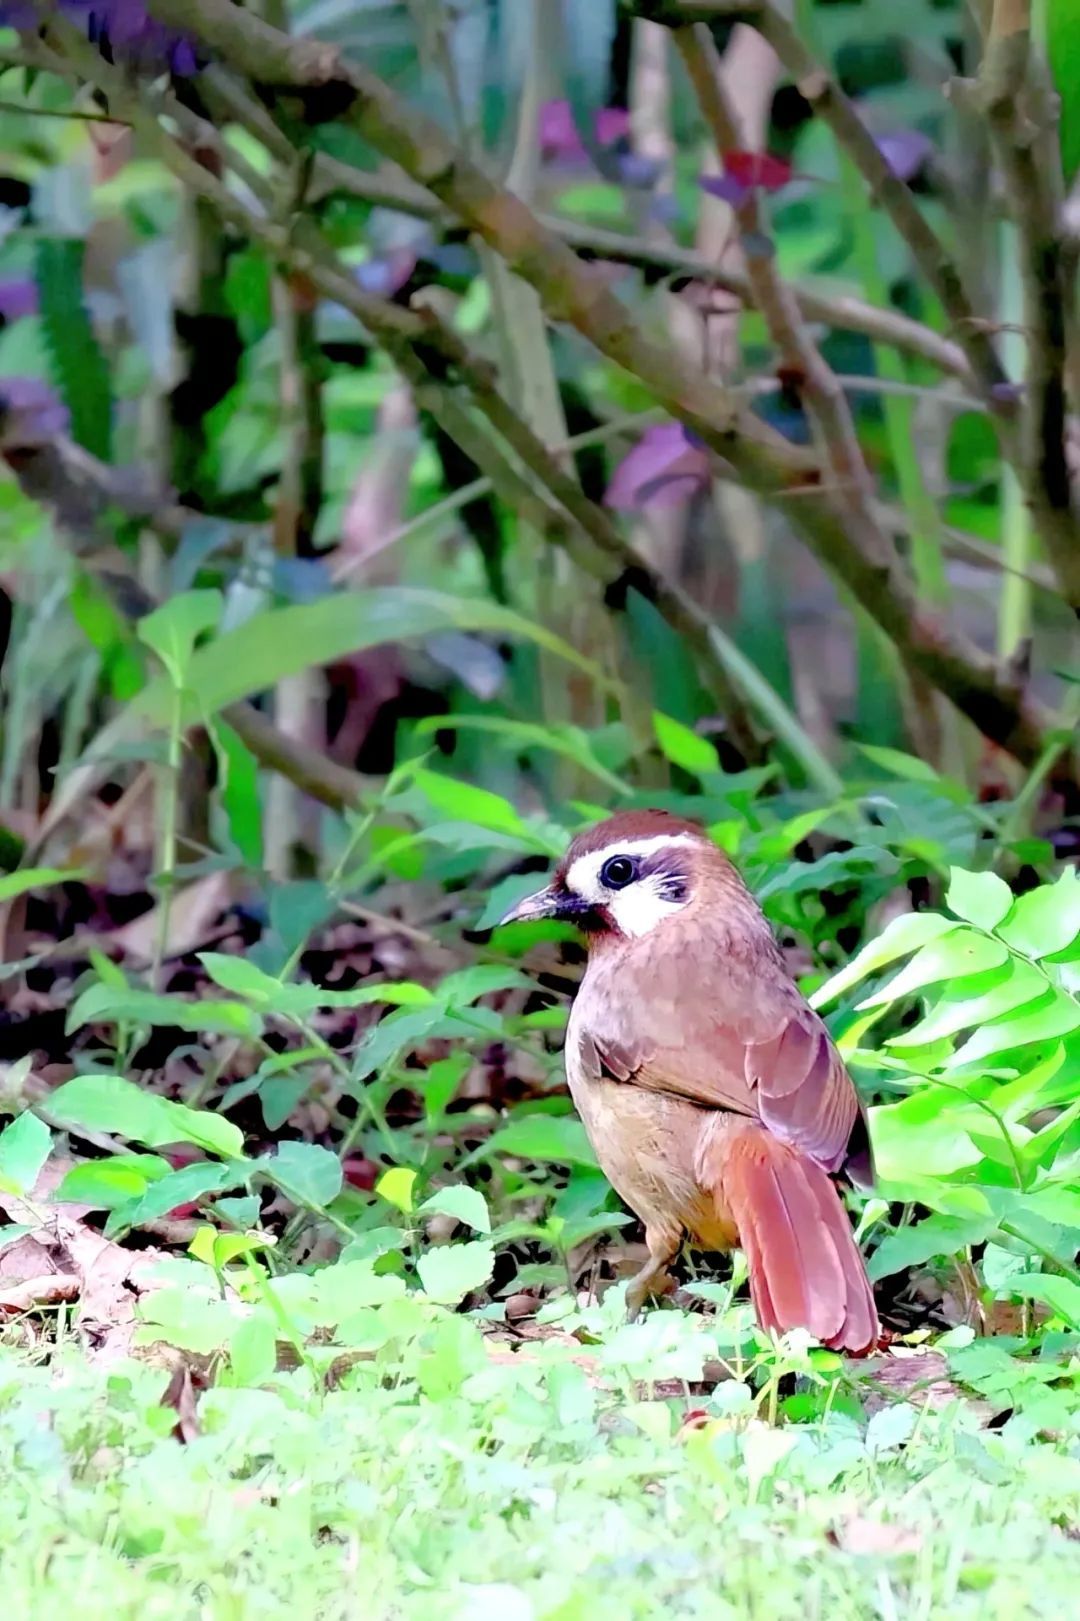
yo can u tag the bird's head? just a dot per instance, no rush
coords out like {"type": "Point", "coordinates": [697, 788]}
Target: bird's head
{"type": "Point", "coordinates": [628, 875]}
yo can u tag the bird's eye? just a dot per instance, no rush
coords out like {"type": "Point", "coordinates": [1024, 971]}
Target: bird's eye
{"type": "Point", "coordinates": [618, 872]}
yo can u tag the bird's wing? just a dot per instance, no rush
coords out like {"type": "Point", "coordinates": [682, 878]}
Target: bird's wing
{"type": "Point", "coordinates": [725, 1035]}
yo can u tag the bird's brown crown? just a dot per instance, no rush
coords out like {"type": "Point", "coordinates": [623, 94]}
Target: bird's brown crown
{"type": "Point", "coordinates": [631, 824]}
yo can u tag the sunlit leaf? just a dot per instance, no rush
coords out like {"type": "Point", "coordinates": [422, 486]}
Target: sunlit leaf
{"type": "Point", "coordinates": [463, 1203]}
{"type": "Point", "coordinates": [981, 898]}
{"type": "Point", "coordinates": [903, 935]}
{"type": "Point", "coordinates": [111, 1103]}
{"type": "Point", "coordinates": [452, 1271]}
{"type": "Point", "coordinates": [24, 1148]}
{"type": "Point", "coordinates": [1047, 919]}
{"type": "Point", "coordinates": [951, 956]}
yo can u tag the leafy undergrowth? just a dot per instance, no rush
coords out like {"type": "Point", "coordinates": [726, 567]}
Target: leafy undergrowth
{"type": "Point", "coordinates": [599, 1470]}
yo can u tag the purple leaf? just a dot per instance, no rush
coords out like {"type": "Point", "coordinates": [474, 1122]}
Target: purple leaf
{"type": "Point", "coordinates": [18, 297]}
{"type": "Point", "coordinates": [664, 469]}
{"type": "Point", "coordinates": [726, 187]}
{"type": "Point", "coordinates": [636, 170]}
{"type": "Point", "coordinates": [387, 274]}
{"type": "Point", "coordinates": [30, 411]}
{"type": "Point", "coordinates": [905, 151]}
{"type": "Point", "coordinates": [611, 124]}
{"type": "Point", "coordinates": [559, 136]}
{"type": "Point", "coordinates": [123, 31]}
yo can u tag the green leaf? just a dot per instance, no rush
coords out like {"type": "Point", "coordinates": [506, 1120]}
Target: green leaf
{"type": "Point", "coordinates": [464, 802]}
{"type": "Point", "coordinates": [75, 359]}
{"type": "Point", "coordinates": [899, 764]}
{"type": "Point", "coordinates": [238, 789]}
{"type": "Point", "coordinates": [271, 995]}
{"type": "Point", "coordinates": [304, 1170]}
{"type": "Point", "coordinates": [172, 630]}
{"type": "Point", "coordinates": [923, 1240]}
{"type": "Point", "coordinates": [24, 1148]}
{"type": "Point", "coordinates": [120, 1004]}
{"type": "Point", "coordinates": [463, 1203]}
{"type": "Point", "coordinates": [1017, 983]}
{"type": "Point", "coordinates": [556, 1138]}
{"type": "Point", "coordinates": [683, 747]}
{"type": "Point", "coordinates": [452, 1271]}
{"type": "Point", "coordinates": [1062, 24]}
{"type": "Point", "coordinates": [1055, 1016]}
{"type": "Point", "coordinates": [481, 979]}
{"type": "Point", "coordinates": [952, 956]}
{"type": "Point", "coordinates": [111, 1103]}
{"type": "Point", "coordinates": [905, 933]}
{"type": "Point", "coordinates": [396, 1187]}
{"type": "Point", "coordinates": [981, 898]}
{"type": "Point", "coordinates": [253, 1350]}
{"type": "Point", "coordinates": [1060, 1294]}
{"type": "Point", "coordinates": [280, 642]}
{"type": "Point", "coordinates": [13, 884]}
{"type": "Point", "coordinates": [925, 1135]}
{"type": "Point", "coordinates": [106, 1184]}
{"type": "Point", "coordinates": [1045, 920]}
{"type": "Point", "coordinates": [188, 1185]}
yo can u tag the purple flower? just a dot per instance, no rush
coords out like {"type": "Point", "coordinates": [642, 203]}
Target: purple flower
{"type": "Point", "coordinates": [30, 411]}
{"type": "Point", "coordinates": [18, 297]}
{"type": "Point", "coordinates": [905, 151]}
{"type": "Point", "coordinates": [122, 29]}
{"type": "Point", "coordinates": [665, 468]}
{"type": "Point", "coordinates": [387, 274]}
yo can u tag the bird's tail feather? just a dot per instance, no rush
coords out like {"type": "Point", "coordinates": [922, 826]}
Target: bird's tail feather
{"type": "Point", "coordinates": [805, 1267]}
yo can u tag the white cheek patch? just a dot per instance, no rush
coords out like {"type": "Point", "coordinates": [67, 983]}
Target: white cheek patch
{"type": "Point", "coordinates": [641, 905]}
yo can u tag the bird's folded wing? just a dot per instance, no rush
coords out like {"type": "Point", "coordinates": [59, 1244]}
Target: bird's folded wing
{"type": "Point", "coordinates": [753, 1050]}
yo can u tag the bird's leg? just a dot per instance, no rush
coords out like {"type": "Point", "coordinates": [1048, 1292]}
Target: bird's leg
{"type": "Point", "coordinates": [653, 1279]}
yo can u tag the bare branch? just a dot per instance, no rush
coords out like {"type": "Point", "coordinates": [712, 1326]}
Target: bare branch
{"type": "Point", "coordinates": [1018, 107]}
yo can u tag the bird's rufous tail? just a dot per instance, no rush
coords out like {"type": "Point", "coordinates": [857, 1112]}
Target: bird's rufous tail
{"type": "Point", "coordinates": [805, 1267]}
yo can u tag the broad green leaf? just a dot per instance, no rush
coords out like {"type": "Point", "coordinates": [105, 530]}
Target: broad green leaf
{"type": "Point", "coordinates": [463, 1203]}
{"type": "Point", "coordinates": [24, 1148]}
{"type": "Point", "coordinates": [304, 1169]}
{"type": "Point", "coordinates": [921, 1241]}
{"type": "Point", "coordinates": [396, 1187]}
{"type": "Point", "coordinates": [952, 956]}
{"type": "Point", "coordinates": [125, 1004]}
{"type": "Point", "coordinates": [556, 1138]}
{"type": "Point", "coordinates": [188, 1185]}
{"type": "Point", "coordinates": [1056, 1015]}
{"type": "Point", "coordinates": [28, 878]}
{"type": "Point", "coordinates": [1018, 983]}
{"type": "Point", "coordinates": [452, 1271]}
{"type": "Point", "coordinates": [106, 1184]}
{"type": "Point", "coordinates": [173, 629]}
{"type": "Point", "coordinates": [981, 898]}
{"type": "Point", "coordinates": [270, 995]}
{"type": "Point", "coordinates": [683, 747]}
{"type": "Point", "coordinates": [1062, 24]}
{"type": "Point", "coordinates": [280, 642]}
{"type": "Point", "coordinates": [905, 933]}
{"type": "Point", "coordinates": [464, 802]}
{"type": "Point", "coordinates": [1060, 1294]}
{"type": "Point", "coordinates": [927, 1134]}
{"type": "Point", "coordinates": [899, 764]}
{"type": "Point", "coordinates": [1045, 920]}
{"type": "Point", "coordinates": [481, 979]}
{"type": "Point", "coordinates": [111, 1103]}
{"type": "Point", "coordinates": [253, 1350]}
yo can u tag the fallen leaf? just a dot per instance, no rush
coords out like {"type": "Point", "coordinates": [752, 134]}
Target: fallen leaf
{"type": "Point", "coordinates": [875, 1538]}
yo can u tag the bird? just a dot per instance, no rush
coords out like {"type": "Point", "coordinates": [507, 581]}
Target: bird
{"type": "Point", "coordinates": [713, 1096]}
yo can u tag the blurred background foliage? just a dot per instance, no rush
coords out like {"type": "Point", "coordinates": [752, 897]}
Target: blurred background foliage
{"type": "Point", "coordinates": [353, 554]}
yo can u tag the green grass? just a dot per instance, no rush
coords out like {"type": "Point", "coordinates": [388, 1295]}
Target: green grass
{"type": "Point", "coordinates": [440, 1481]}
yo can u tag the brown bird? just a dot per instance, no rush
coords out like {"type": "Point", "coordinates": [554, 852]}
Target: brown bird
{"type": "Point", "coordinates": [716, 1103]}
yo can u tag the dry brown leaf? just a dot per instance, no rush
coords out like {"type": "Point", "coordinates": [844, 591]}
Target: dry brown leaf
{"type": "Point", "coordinates": [110, 1279]}
{"type": "Point", "coordinates": [192, 913]}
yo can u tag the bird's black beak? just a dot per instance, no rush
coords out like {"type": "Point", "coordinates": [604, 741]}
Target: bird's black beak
{"type": "Point", "coordinates": [544, 903]}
